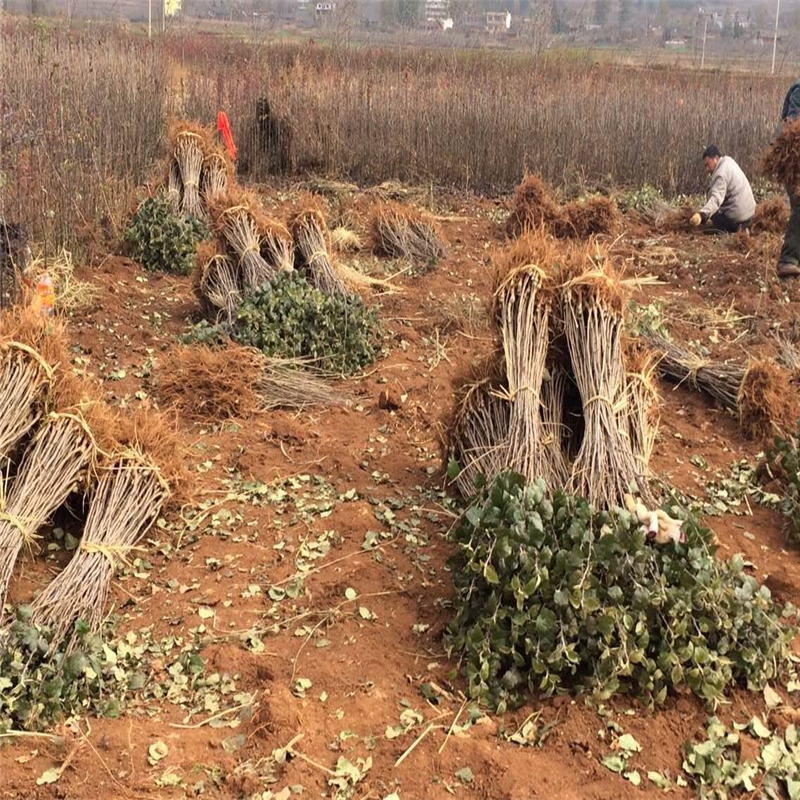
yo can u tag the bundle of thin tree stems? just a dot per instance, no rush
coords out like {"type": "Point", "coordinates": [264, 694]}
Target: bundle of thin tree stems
{"type": "Point", "coordinates": [214, 177]}
{"type": "Point", "coordinates": [553, 390]}
{"type": "Point", "coordinates": [53, 466]}
{"type": "Point", "coordinates": [125, 503]}
{"type": "Point", "coordinates": [480, 435]}
{"type": "Point", "coordinates": [721, 380]}
{"type": "Point", "coordinates": [189, 158]}
{"type": "Point", "coordinates": [24, 377]}
{"type": "Point", "coordinates": [217, 286]}
{"type": "Point", "coordinates": [241, 232]}
{"type": "Point", "coordinates": [311, 240]}
{"type": "Point", "coordinates": [605, 469]}
{"type": "Point", "coordinates": [524, 313]}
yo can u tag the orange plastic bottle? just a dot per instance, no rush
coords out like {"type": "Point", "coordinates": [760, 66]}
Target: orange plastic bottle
{"type": "Point", "coordinates": [45, 297]}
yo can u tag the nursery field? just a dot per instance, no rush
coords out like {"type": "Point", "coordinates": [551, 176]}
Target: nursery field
{"type": "Point", "coordinates": [390, 483]}
{"type": "Point", "coordinates": [285, 624]}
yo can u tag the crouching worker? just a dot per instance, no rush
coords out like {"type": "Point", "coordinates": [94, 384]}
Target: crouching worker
{"type": "Point", "coordinates": [730, 205]}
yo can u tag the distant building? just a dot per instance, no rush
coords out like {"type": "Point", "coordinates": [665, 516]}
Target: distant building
{"type": "Point", "coordinates": [323, 10]}
{"type": "Point", "coordinates": [498, 21]}
{"type": "Point", "coordinates": [437, 11]}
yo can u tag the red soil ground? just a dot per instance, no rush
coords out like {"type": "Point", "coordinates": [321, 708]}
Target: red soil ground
{"type": "Point", "coordinates": [372, 668]}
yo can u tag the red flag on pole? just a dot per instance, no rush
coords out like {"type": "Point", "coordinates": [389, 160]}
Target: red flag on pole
{"type": "Point", "coordinates": [224, 127]}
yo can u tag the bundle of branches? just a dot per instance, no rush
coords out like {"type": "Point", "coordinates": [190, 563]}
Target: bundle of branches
{"type": "Point", "coordinates": [401, 232]}
{"type": "Point", "coordinates": [593, 307]}
{"type": "Point", "coordinates": [54, 465]}
{"type": "Point", "coordinates": [31, 347]}
{"type": "Point", "coordinates": [523, 309]}
{"type": "Point", "coordinates": [189, 156]}
{"type": "Point", "coordinates": [766, 401]}
{"type": "Point", "coordinates": [239, 221]}
{"type": "Point", "coordinates": [174, 185]}
{"type": "Point", "coordinates": [772, 216]}
{"type": "Point", "coordinates": [216, 283]}
{"type": "Point", "coordinates": [311, 240]}
{"type": "Point", "coordinates": [553, 390]}
{"type": "Point", "coordinates": [597, 215]}
{"type": "Point", "coordinates": [134, 484]}
{"type": "Point", "coordinates": [720, 380]}
{"type": "Point", "coordinates": [277, 246]}
{"type": "Point", "coordinates": [125, 503]}
{"type": "Point", "coordinates": [479, 434]}
{"type": "Point", "coordinates": [216, 176]}
{"type": "Point", "coordinates": [212, 384]}
{"type": "Point", "coordinates": [782, 160]}
{"type": "Point", "coordinates": [533, 208]}
{"type": "Point", "coordinates": [642, 403]}
{"type": "Point", "coordinates": [664, 216]}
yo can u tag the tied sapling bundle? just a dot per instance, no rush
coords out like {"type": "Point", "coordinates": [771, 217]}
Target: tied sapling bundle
{"type": "Point", "coordinates": [479, 438]}
{"type": "Point", "coordinates": [174, 186]}
{"type": "Point", "coordinates": [126, 502]}
{"type": "Point", "coordinates": [311, 240]}
{"type": "Point", "coordinates": [214, 178]}
{"type": "Point", "coordinates": [189, 157]}
{"type": "Point", "coordinates": [782, 160]}
{"type": "Point", "coordinates": [720, 380]}
{"type": "Point", "coordinates": [53, 467]}
{"type": "Point", "coordinates": [212, 384]}
{"type": "Point", "coordinates": [553, 390]}
{"type": "Point", "coordinates": [523, 304]}
{"type": "Point", "coordinates": [216, 284]}
{"type": "Point", "coordinates": [400, 232]}
{"type": "Point", "coordinates": [642, 405]}
{"type": "Point", "coordinates": [605, 468]}
{"type": "Point", "coordinates": [31, 347]}
{"type": "Point", "coordinates": [237, 218]}
{"type": "Point", "coordinates": [277, 246]}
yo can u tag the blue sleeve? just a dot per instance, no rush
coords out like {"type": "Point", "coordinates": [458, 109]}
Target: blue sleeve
{"type": "Point", "coordinates": [792, 106]}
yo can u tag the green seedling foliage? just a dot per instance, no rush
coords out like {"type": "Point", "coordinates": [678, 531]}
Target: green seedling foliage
{"type": "Point", "coordinates": [161, 239]}
{"type": "Point", "coordinates": [555, 597]}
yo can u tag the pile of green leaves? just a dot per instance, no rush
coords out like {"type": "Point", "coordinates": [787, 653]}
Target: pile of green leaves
{"type": "Point", "coordinates": [783, 463]}
{"type": "Point", "coordinates": [159, 238]}
{"type": "Point", "coordinates": [290, 318]}
{"type": "Point", "coordinates": [716, 772]}
{"type": "Point", "coordinates": [555, 597]}
{"type": "Point", "coordinates": [38, 688]}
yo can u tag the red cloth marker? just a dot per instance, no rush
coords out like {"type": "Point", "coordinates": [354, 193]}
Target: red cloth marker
{"type": "Point", "coordinates": [224, 127]}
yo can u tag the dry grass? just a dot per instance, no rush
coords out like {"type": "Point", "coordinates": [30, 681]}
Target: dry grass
{"type": "Point", "coordinates": [345, 241]}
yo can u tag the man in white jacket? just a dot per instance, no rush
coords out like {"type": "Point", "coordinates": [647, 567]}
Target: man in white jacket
{"type": "Point", "coordinates": [730, 205]}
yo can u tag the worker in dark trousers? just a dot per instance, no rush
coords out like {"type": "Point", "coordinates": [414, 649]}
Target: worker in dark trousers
{"type": "Point", "coordinates": [789, 261]}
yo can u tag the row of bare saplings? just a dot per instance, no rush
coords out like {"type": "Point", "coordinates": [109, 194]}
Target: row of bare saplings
{"type": "Point", "coordinates": [250, 248]}
{"type": "Point", "coordinates": [571, 400]}
{"type": "Point", "coordinates": [62, 446]}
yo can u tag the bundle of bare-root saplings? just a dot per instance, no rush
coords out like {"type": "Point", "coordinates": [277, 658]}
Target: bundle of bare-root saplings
{"type": "Point", "coordinates": [280, 291]}
{"type": "Point", "coordinates": [574, 406]}
{"type": "Point", "coordinates": [533, 209]}
{"type": "Point", "coordinates": [759, 393]}
{"type": "Point", "coordinates": [67, 445]}
{"type": "Point", "coordinates": [568, 576]}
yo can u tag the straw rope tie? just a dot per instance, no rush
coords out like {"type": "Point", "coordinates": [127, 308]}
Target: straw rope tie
{"type": "Point", "coordinates": [22, 525]}
{"type": "Point", "coordinates": [194, 184]}
{"type": "Point", "coordinates": [34, 355]}
{"type": "Point", "coordinates": [115, 553]}
{"type": "Point", "coordinates": [317, 254]}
